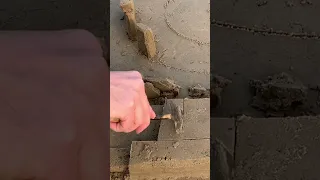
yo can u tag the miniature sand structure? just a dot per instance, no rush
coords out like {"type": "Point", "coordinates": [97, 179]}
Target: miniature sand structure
{"type": "Point", "coordinates": [172, 155]}
{"type": "Point", "coordinates": [172, 53]}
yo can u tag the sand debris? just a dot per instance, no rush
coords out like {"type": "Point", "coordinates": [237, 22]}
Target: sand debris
{"type": "Point", "coordinates": [167, 87]}
{"type": "Point", "coordinates": [176, 144]}
{"type": "Point", "coordinates": [151, 91]}
{"type": "Point", "coordinates": [217, 85]}
{"type": "Point", "coordinates": [280, 92]}
{"type": "Point", "coordinates": [198, 91]}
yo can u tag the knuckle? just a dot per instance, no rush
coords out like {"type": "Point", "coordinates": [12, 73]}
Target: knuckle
{"type": "Point", "coordinates": [131, 103]}
{"type": "Point", "coordinates": [137, 74]}
{"type": "Point", "coordinates": [136, 84]}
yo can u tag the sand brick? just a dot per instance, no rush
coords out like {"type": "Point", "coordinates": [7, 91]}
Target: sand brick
{"type": "Point", "coordinates": [196, 121]}
{"type": "Point", "coordinates": [119, 159]}
{"type": "Point", "coordinates": [168, 159]}
{"type": "Point", "coordinates": [128, 8]}
{"type": "Point", "coordinates": [157, 108]}
{"type": "Point", "coordinates": [278, 148]}
{"type": "Point", "coordinates": [146, 41]}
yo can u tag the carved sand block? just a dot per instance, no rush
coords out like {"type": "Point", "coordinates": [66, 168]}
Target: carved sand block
{"type": "Point", "coordinates": [146, 41]}
{"type": "Point", "coordinates": [128, 8]}
{"type": "Point", "coordinates": [162, 160]}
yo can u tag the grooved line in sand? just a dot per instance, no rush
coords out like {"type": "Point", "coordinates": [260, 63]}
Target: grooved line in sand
{"type": "Point", "coordinates": [269, 31]}
{"type": "Point", "coordinates": [161, 62]}
{"type": "Point", "coordinates": [176, 31]}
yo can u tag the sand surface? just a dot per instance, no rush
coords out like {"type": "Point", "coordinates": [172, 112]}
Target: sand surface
{"type": "Point", "coordinates": [257, 40]}
{"type": "Point", "coordinates": [182, 33]}
{"type": "Point", "coordinates": [251, 41]}
{"type": "Point", "coordinates": [181, 28]}
{"type": "Point", "coordinates": [277, 148]}
{"type": "Point", "coordinates": [182, 41]}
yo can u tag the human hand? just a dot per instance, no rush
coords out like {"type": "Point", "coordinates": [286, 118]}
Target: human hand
{"type": "Point", "coordinates": [129, 102]}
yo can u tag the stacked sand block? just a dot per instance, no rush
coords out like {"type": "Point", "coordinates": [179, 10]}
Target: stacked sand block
{"type": "Point", "coordinates": [265, 148]}
{"type": "Point", "coordinates": [146, 41]}
{"type": "Point", "coordinates": [138, 31]}
{"type": "Point", "coordinates": [277, 148]}
{"type": "Point", "coordinates": [120, 147]}
{"type": "Point", "coordinates": [161, 157]}
{"type": "Point", "coordinates": [170, 160]}
{"type": "Point", "coordinates": [128, 8]}
{"type": "Point", "coordinates": [119, 161]}
{"type": "Point", "coordinates": [196, 121]}
{"type": "Point", "coordinates": [176, 156]}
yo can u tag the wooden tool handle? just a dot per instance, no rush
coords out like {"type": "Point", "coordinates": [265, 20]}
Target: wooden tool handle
{"type": "Point", "coordinates": [162, 117]}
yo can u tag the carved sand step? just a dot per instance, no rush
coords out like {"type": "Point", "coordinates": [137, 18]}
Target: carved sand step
{"type": "Point", "coordinates": [170, 159]}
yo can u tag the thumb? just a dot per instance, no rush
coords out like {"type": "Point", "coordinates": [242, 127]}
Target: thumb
{"type": "Point", "coordinates": [114, 124]}
{"type": "Point", "coordinates": [124, 124]}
